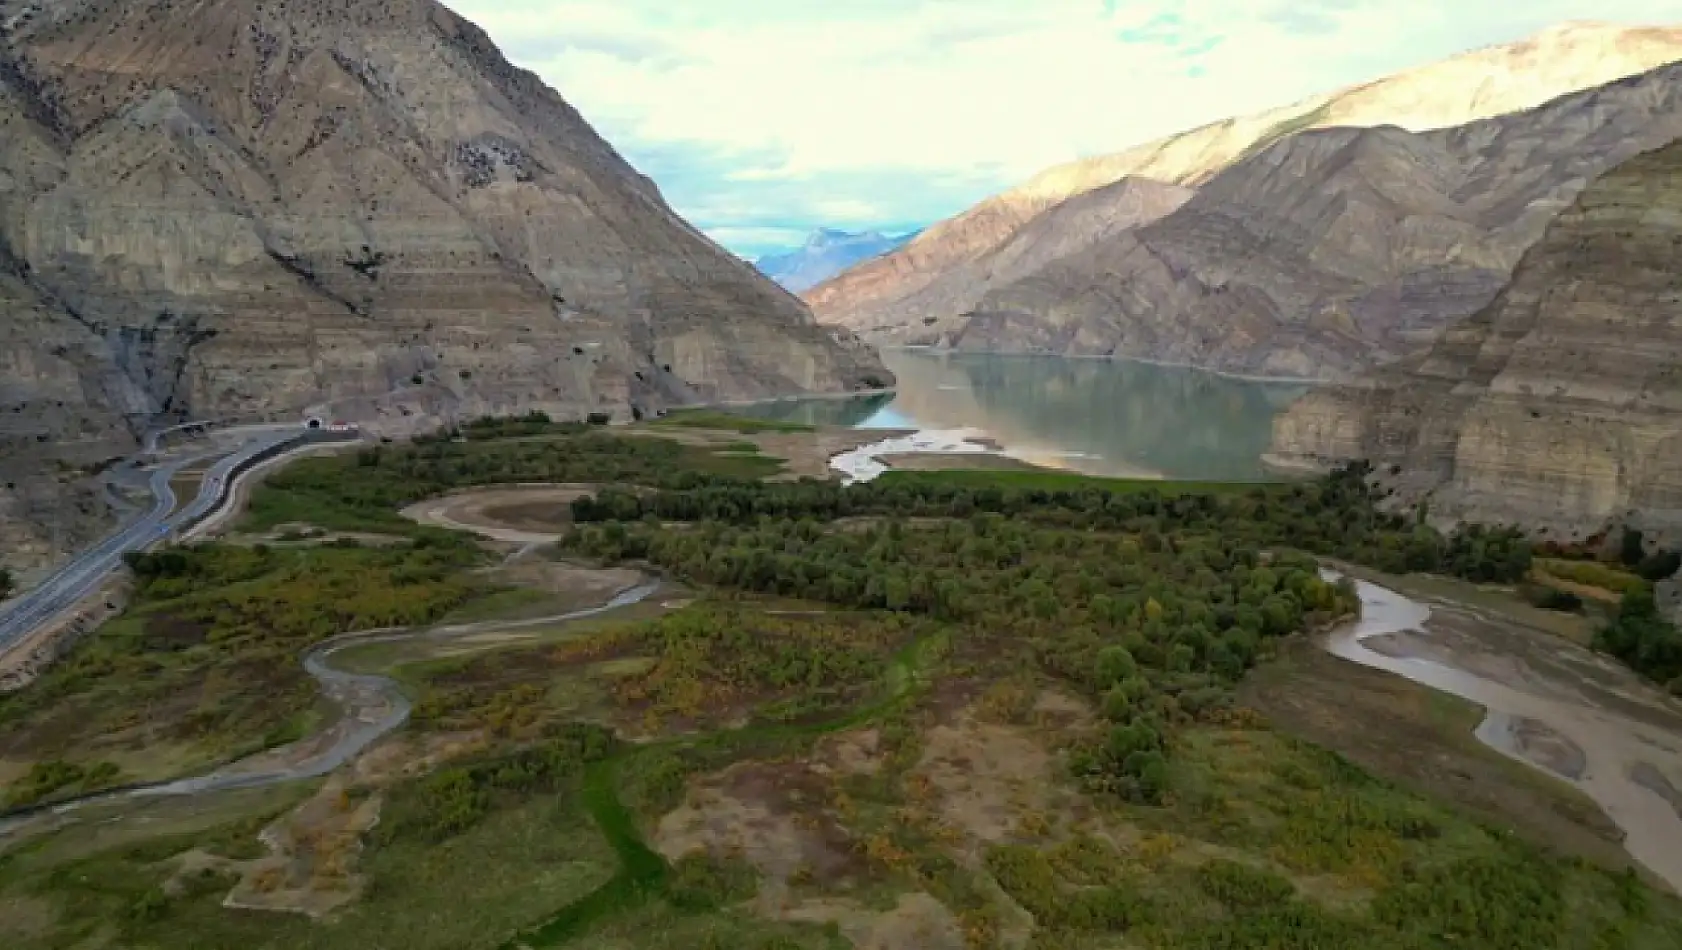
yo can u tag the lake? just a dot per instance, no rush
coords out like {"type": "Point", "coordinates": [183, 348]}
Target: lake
{"type": "Point", "coordinates": [1096, 416]}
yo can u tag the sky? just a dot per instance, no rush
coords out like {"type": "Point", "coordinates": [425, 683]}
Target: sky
{"type": "Point", "coordinates": [763, 119]}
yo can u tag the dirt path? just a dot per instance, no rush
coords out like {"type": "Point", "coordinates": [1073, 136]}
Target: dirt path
{"type": "Point", "coordinates": [526, 515]}
{"type": "Point", "coordinates": [1550, 704]}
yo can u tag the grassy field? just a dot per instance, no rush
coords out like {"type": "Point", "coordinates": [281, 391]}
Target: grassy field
{"type": "Point", "coordinates": [366, 490]}
{"type": "Point", "coordinates": [1045, 480]}
{"type": "Point", "coordinates": [1592, 574]}
{"type": "Point", "coordinates": [451, 895]}
{"type": "Point", "coordinates": [726, 422]}
{"type": "Point", "coordinates": [204, 665]}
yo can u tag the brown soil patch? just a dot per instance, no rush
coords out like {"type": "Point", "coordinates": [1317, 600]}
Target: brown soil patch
{"type": "Point", "coordinates": [406, 756]}
{"type": "Point", "coordinates": [1424, 740]}
{"type": "Point", "coordinates": [850, 753]}
{"type": "Point", "coordinates": [994, 781]}
{"type": "Point", "coordinates": [311, 866]}
{"type": "Point", "coordinates": [23, 918]}
{"type": "Point", "coordinates": [547, 515]}
{"type": "Point", "coordinates": [535, 513]}
{"type": "Point", "coordinates": [772, 815]}
{"type": "Point", "coordinates": [576, 585]}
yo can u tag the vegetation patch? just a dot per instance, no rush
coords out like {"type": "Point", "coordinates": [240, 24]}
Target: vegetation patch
{"type": "Point", "coordinates": [366, 490]}
{"type": "Point", "coordinates": [1014, 477]}
{"type": "Point", "coordinates": [207, 659]}
{"type": "Point", "coordinates": [1592, 574]}
{"type": "Point", "coordinates": [913, 713]}
{"type": "Point", "coordinates": [727, 422]}
{"type": "Point", "coordinates": [714, 658]}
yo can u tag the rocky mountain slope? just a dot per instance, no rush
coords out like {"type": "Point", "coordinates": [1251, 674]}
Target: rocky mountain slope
{"type": "Point", "coordinates": [1330, 250]}
{"type": "Point", "coordinates": [1067, 228]}
{"type": "Point", "coordinates": [885, 297]}
{"type": "Point", "coordinates": [1559, 405]}
{"type": "Point", "coordinates": [827, 252]}
{"type": "Point", "coordinates": [251, 209]}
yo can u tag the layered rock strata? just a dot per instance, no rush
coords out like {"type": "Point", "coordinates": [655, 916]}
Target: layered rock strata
{"type": "Point", "coordinates": [1559, 405]}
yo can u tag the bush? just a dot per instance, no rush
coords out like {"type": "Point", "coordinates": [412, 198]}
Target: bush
{"type": "Point", "coordinates": [1549, 597]}
{"type": "Point", "coordinates": [1659, 566]}
{"type": "Point", "coordinates": [1642, 638]}
{"type": "Point", "coordinates": [1242, 886]}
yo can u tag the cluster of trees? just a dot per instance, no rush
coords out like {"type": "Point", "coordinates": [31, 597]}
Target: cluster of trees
{"type": "Point", "coordinates": [7, 585]}
{"type": "Point", "coordinates": [1157, 626]}
{"type": "Point", "coordinates": [713, 656]}
{"type": "Point", "coordinates": [535, 422]}
{"type": "Point", "coordinates": [51, 778]}
{"type": "Point", "coordinates": [365, 491]}
{"type": "Point", "coordinates": [1642, 638]}
{"type": "Point", "coordinates": [1336, 516]}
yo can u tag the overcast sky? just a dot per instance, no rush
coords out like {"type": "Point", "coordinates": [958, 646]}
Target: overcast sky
{"type": "Point", "coordinates": [761, 120]}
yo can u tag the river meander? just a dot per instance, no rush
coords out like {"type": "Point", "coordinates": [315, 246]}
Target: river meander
{"type": "Point", "coordinates": [1550, 704]}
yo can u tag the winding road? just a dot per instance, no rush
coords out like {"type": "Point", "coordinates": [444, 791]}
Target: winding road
{"type": "Point", "coordinates": [67, 586]}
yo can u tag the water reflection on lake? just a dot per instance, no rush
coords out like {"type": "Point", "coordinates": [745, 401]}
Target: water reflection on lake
{"type": "Point", "coordinates": [1101, 417]}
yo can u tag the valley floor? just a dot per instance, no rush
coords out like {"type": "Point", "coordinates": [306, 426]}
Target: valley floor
{"type": "Point", "coordinates": [1044, 742]}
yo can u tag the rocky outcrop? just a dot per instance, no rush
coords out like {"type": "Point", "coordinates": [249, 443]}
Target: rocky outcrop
{"type": "Point", "coordinates": [1559, 405]}
{"type": "Point", "coordinates": [255, 210]}
{"type": "Point", "coordinates": [920, 293]}
{"type": "Point", "coordinates": [1330, 250]}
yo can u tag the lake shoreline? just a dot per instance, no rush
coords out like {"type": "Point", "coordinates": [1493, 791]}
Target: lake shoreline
{"type": "Point", "coordinates": [1113, 358]}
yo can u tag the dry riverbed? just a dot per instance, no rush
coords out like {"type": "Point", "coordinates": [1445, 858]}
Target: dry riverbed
{"type": "Point", "coordinates": [1552, 705]}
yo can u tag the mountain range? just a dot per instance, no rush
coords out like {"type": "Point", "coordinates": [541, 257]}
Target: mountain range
{"type": "Point", "coordinates": [250, 210]}
{"type": "Point", "coordinates": [827, 252]}
{"type": "Point", "coordinates": [1307, 241]}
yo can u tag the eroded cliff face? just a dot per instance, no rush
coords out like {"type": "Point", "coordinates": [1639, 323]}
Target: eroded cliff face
{"type": "Point", "coordinates": [1331, 250]}
{"type": "Point", "coordinates": [940, 274]}
{"type": "Point", "coordinates": [1559, 405]}
{"type": "Point", "coordinates": [254, 210]}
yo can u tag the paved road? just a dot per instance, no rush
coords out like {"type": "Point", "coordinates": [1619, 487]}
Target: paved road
{"type": "Point", "coordinates": [82, 576]}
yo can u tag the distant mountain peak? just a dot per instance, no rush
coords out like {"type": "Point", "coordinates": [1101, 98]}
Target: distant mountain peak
{"type": "Point", "coordinates": [828, 237]}
{"type": "Point", "coordinates": [827, 252]}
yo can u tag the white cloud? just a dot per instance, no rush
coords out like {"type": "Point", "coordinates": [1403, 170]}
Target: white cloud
{"type": "Point", "coordinates": [970, 95]}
